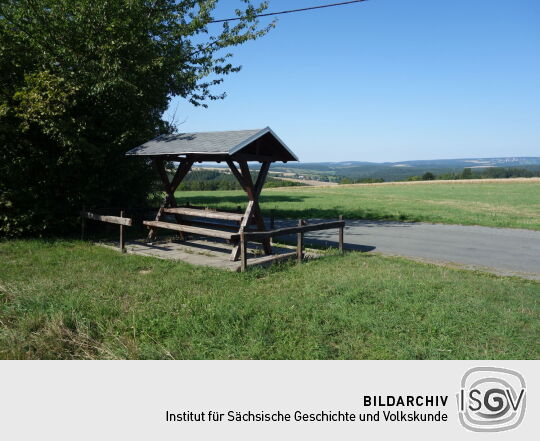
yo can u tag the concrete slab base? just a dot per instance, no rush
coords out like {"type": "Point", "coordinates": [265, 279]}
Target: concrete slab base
{"type": "Point", "coordinates": [213, 253]}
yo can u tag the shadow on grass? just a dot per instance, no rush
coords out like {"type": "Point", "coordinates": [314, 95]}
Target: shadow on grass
{"type": "Point", "coordinates": [270, 204]}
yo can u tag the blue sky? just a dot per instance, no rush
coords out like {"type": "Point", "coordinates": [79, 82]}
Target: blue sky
{"type": "Point", "coordinates": [388, 80]}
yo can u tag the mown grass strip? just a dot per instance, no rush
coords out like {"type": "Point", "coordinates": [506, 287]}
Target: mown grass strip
{"type": "Point", "coordinates": [493, 204]}
{"type": "Point", "coordinates": [68, 299]}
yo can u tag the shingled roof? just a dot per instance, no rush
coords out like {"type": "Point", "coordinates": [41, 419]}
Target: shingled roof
{"type": "Point", "coordinates": [258, 144]}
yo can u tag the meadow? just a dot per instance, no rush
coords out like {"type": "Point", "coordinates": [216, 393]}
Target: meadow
{"type": "Point", "coordinates": [493, 203]}
{"type": "Point", "coordinates": [69, 299]}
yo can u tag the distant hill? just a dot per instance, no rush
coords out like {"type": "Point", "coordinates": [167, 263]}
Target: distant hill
{"type": "Point", "coordinates": [396, 171]}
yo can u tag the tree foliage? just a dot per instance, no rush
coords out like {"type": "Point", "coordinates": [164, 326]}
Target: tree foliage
{"type": "Point", "coordinates": [481, 173]}
{"type": "Point", "coordinates": [217, 180]}
{"type": "Point", "coordinates": [81, 82]}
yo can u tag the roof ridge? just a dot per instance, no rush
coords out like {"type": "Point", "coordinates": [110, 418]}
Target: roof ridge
{"type": "Point", "coordinates": [219, 131]}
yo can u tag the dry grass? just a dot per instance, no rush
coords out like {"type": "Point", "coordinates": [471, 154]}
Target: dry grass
{"type": "Point", "coordinates": [436, 182]}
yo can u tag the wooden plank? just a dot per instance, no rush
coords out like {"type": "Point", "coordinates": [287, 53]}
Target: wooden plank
{"type": "Point", "coordinates": [341, 234]}
{"type": "Point", "coordinates": [243, 252]}
{"type": "Point", "coordinates": [245, 221]}
{"type": "Point", "coordinates": [211, 225]}
{"type": "Point", "coordinates": [122, 237]}
{"type": "Point", "coordinates": [159, 215]}
{"type": "Point", "coordinates": [300, 243]}
{"type": "Point", "coordinates": [294, 230]}
{"type": "Point", "coordinates": [272, 258]}
{"type": "Point", "coordinates": [110, 219]}
{"type": "Point", "coordinates": [260, 158]}
{"type": "Point", "coordinates": [222, 215]}
{"type": "Point", "coordinates": [189, 229]}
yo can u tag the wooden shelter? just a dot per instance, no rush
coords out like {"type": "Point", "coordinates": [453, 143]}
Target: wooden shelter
{"type": "Point", "coordinates": [236, 148]}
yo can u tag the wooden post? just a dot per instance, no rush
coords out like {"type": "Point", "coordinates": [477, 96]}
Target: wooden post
{"type": "Point", "coordinates": [243, 252]}
{"type": "Point", "coordinates": [272, 220]}
{"type": "Point", "coordinates": [253, 211]}
{"type": "Point", "coordinates": [300, 243]}
{"type": "Point", "coordinates": [169, 187]}
{"type": "Point", "coordinates": [122, 238]}
{"type": "Point", "coordinates": [83, 222]}
{"type": "Point", "coordinates": [341, 247]}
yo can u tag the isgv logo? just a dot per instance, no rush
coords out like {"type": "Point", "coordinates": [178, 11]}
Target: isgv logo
{"type": "Point", "coordinates": [491, 399]}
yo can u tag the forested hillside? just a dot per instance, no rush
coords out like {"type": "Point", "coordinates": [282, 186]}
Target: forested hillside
{"type": "Point", "coordinates": [216, 180]}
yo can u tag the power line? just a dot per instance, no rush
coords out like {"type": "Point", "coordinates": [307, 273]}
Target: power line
{"type": "Point", "coordinates": [293, 10]}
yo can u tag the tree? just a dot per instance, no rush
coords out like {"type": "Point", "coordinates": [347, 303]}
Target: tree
{"type": "Point", "coordinates": [467, 173]}
{"type": "Point", "coordinates": [82, 82]}
{"type": "Point", "coordinates": [428, 176]}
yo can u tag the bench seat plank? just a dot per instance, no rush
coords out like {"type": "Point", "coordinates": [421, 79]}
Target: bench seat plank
{"type": "Point", "coordinates": [194, 212]}
{"type": "Point", "coordinates": [189, 229]}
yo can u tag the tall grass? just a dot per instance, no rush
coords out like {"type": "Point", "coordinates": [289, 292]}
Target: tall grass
{"type": "Point", "coordinates": [69, 299]}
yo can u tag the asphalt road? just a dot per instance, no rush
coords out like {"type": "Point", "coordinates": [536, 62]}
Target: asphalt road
{"type": "Point", "coordinates": [502, 251]}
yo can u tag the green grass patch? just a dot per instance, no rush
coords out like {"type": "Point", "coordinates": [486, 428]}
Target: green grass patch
{"type": "Point", "coordinates": [69, 299]}
{"type": "Point", "coordinates": [499, 204]}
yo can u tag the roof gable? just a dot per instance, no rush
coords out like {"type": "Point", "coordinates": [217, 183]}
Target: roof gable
{"type": "Point", "coordinates": [254, 144]}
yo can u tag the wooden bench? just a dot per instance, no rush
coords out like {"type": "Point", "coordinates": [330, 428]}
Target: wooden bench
{"type": "Point", "coordinates": [190, 229]}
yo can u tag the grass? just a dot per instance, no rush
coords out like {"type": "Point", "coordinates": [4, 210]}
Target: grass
{"type": "Point", "coordinates": [69, 299]}
{"type": "Point", "coordinates": [493, 204]}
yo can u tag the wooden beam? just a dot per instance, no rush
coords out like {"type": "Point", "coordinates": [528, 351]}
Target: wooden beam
{"type": "Point", "coordinates": [246, 174]}
{"type": "Point", "coordinates": [260, 158]}
{"type": "Point", "coordinates": [253, 209]}
{"type": "Point", "coordinates": [341, 234]}
{"type": "Point", "coordinates": [254, 196]}
{"type": "Point", "coordinates": [300, 242]}
{"type": "Point", "coordinates": [110, 219]}
{"type": "Point", "coordinates": [243, 252]}
{"type": "Point", "coordinates": [273, 258]}
{"type": "Point", "coordinates": [170, 187]}
{"type": "Point", "coordinates": [200, 223]}
{"type": "Point", "coordinates": [194, 212]}
{"type": "Point", "coordinates": [237, 175]}
{"type": "Point", "coordinates": [181, 172]}
{"type": "Point", "coordinates": [159, 165]}
{"type": "Point", "coordinates": [122, 236]}
{"type": "Point", "coordinates": [245, 222]}
{"type": "Point", "coordinates": [189, 229]}
{"type": "Point", "coordinates": [291, 230]}
{"type": "Point", "coordinates": [261, 179]}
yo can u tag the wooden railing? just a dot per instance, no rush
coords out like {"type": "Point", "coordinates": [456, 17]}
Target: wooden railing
{"type": "Point", "coordinates": [119, 220]}
{"type": "Point", "coordinates": [245, 236]}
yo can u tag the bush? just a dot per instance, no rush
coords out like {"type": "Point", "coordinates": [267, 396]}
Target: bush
{"type": "Point", "coordinates": [72, 105]}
